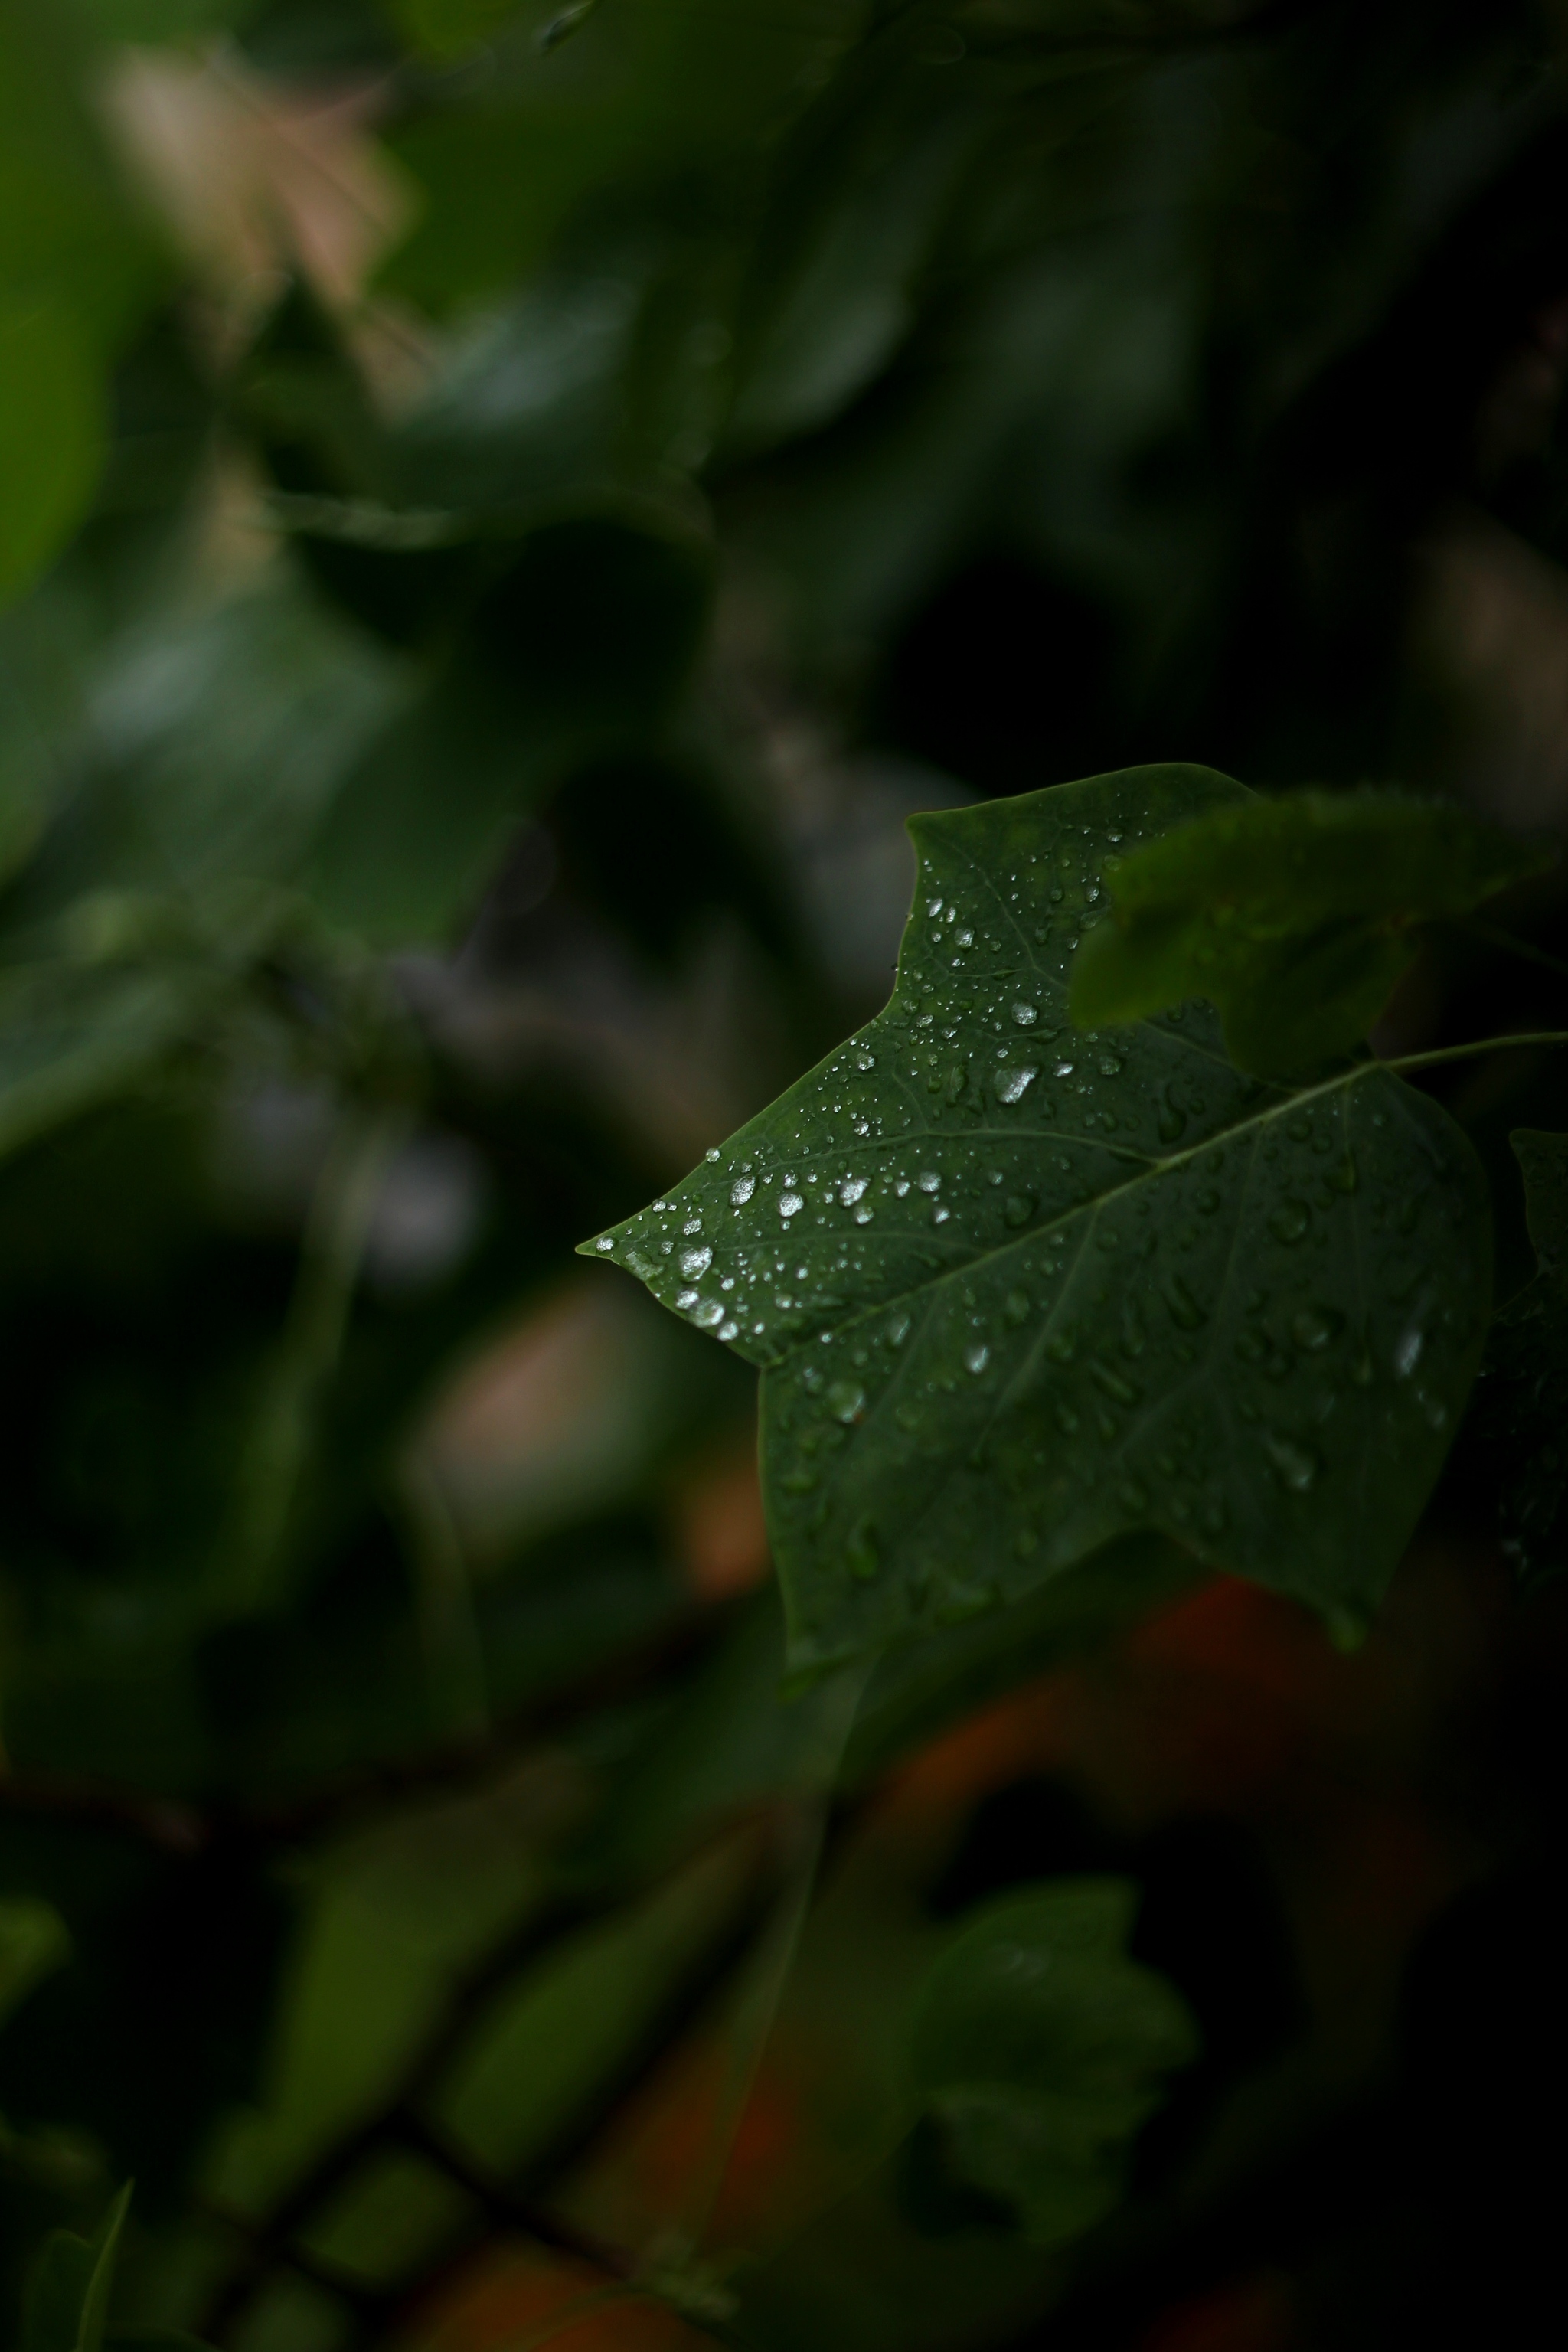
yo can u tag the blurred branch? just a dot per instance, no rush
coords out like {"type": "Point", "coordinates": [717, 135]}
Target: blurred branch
{"type": "Point", "coordinates": [185, 1829]}
{"type": "Point", "coordinates": [163, 1821]}
{"type": "Point", "coordinates": [520, 2205]}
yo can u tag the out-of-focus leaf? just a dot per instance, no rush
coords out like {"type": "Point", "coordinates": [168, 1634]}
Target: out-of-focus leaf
{"type": "Point", "coordinates": [578, 650]}
{"type": "Point", "coordinates": [206, 752]}
{"type": "Point", "coordinates": [637, 93]}
{"type": "Point", "coordinates": [156, 2025]}
{"type": "Point", "coordinates": [1294, 917]}
{"type": "Point", "coordinates": [68, 2302]}
{"type": "Point", "coordinates": [449, 28]}
{"type": "Point", "coordinates": [73, 1034]}
{"type": "Point", "coordinates": [150, 22]}
{"type": "Point", "coordinates": [75, 268]}
{"type": "Point", "coordinates": [52, 438]}
{"type": "Point", "coordinates": [34, 1939]}
{"type": "Point", "coordinates": [1013, 1290]}
{"type": "Point", "coordinates": [305, 402]}
{"type": "Point", "coordinates": [1042, 2048]}
{"type": "Point", "coordinates": [1521, 1417]}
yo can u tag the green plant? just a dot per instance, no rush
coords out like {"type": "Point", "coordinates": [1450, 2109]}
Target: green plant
{"type": "Point", "coordinates": [504, 513]}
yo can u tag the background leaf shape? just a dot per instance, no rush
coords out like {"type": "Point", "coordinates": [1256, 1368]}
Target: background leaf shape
{"type": "Point", "coordinates": [1019, 1291]}
{"type": "Point", "coordinates": [1041, 2047]}
{"type": "Point", "coordinates": [68, 2304]}
{"type": "Point", "coordinates": [1294, 916]}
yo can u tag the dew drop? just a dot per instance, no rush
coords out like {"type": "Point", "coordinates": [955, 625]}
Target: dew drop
{"type": "Point", "coordinates": [741, 1190]}
{"type": "Point", "coordinates": [975, 1358]}
{"type": "Point", "coordinates": [1298, 1465]}
{"type": "Point", "coordinates": [1171, 1120]}
{"type": "Point", "coordinates": [1408, 1351]}
{"type": "Point", "coordinates": [605, 1242]}
{"type": "Point", "coordinates": [1025, 1016]}
{"type": "Point", "coordinates": [863, 1552]}
{"type": "Point", "coordinates": [695, 1262]}
{"type": "Point", "coordinates": [685, 1298]}
{"type": "Point", "coordinates": [1015, 1309]}
{"type": "Point", "coordinates": [845, 1400]}
{"type": "Point", "coordinates": [1121, 1390]}
{"type": "Point", "coordinates": [850, 1191]}
{"type": "Point", "coordinates": [1313, 1327]}
{"type": "Point", "coordinates": [1290, 1221]}
{"type": "Point", "coordinates": [790, 1204]}
{"type": "Point", "coordinates": [1017, 1209]}
{"type": "Point", "coordinates": [1012, 1086]}
{"type": "Point", "coordinates": [1186, 1312]}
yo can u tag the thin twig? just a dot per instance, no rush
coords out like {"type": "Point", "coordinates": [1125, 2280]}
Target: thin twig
{"type": "Point", "coordinates": [1494, 936]}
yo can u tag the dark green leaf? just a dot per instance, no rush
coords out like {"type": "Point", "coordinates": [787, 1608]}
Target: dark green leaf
{"type": "Point", "coordinates": [75, 268]}
{"type": "Point", "coordinates": [68, 2304]}
{"type": "Point", "coordinates": [1041, 2048]}
{"type": "Point", "coordinates": [1017, 1291]}
{"type": "Point", "coordinates": [71, 1035]}
{"type": "Point", "coordinates": [1294, 916]}
{"type": "Point", "coordinates": [576, 651]}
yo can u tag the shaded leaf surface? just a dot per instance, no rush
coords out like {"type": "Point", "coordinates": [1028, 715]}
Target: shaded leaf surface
{"type": "Point", "coordinates": [1294, 916]}
{"type": "Point", "coordinates": [1041, 2048]}
{"type": "Point", "coordinates": [1018, 1291]}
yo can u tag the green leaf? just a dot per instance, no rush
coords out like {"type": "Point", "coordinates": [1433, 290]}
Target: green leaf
{"type": "Point", "coordinates": [34, 1942]}
{"type": "Point", "coordinates": [1521, 1405]}
{"type": "Point", "coordinates": [69, 2302]}
{"type": "Point", "coordinates": [73, 1034]}
{"type": "Point", "coordinates": [53, 438]}
{"type": "Point", "coordinates": [75, 269]}
{"type": "Point", "coordinates": [1018, 1291]}
{"type": "Point", "coordinates": [1294, 916]}
{"type": "Point", "coordinates": [575, 652]}
{"type": "Point", "coordinates": [1041, 2049]}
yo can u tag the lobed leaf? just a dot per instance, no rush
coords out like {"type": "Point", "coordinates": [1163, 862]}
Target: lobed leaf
{"type": "Point", "coordinates": [1017, 1291]}
{"type": "Point", "coordinates": [1041, 2049]}
{"type": "Point", "coordinates": [1294, 916]}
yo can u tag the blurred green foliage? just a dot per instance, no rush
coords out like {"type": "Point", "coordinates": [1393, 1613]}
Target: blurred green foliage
{"type": "Point", "coordinates": [504, 511]}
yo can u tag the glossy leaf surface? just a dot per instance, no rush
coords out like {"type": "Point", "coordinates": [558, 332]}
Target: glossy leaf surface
{"type": "Point", "coordinates": [1042, 2048]}
{"type": "Point", "coordinates": [1018, 1291]}
{"type": "Point", "coordinates": [1295, 916]}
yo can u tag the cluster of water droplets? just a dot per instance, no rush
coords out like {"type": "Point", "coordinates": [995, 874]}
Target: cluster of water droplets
{"type": "Point", "coordinates": [1105, 1271]}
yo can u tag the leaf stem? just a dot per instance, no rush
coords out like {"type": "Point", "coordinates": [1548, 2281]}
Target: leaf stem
{"type": "Point", "coordinates": [756, 2011]}
{"type": "Point", "coordinates": [1436, 1053]}
{"type": "Point", "coordinates": [331, 1255]}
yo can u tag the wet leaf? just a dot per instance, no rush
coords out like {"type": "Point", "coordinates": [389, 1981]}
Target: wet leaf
{"type": "Point", "coordinates": [1041, 2049]}
{"type": "Point", "coordinates": [1018, 1290]}
{"type": "Point", "coordinates": [1295, 916]}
